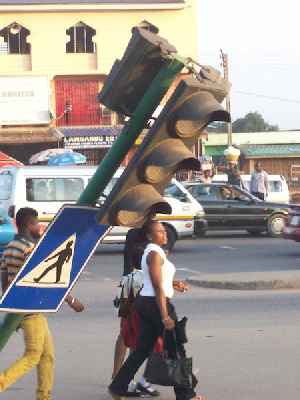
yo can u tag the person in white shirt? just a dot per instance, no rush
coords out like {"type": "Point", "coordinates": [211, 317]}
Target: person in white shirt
{"type": "Point", "coordinates": [155, 311]}
{"type": "Point", "coordinates": [259, 184]}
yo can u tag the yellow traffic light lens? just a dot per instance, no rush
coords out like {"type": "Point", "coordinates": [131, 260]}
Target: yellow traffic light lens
{"type": "Point", "coordinates": [166, 158]}
{"type": "Point", "coordinates": [156, 174]}
{"type": "Point", "coordinates": [190, 128]}
{"type": "Point", "coordinates": [137, 203]}
{"type": "Point", "coordinates": [132, 218]}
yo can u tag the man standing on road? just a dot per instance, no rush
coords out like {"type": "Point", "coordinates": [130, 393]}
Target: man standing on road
{"type": "Point", "coordinates": [259, 182]}
{"type": "Point", "coordinates": [38, 343]}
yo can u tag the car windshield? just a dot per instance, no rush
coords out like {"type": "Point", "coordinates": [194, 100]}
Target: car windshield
{"type": "Point", "coordinates": [173, 191]}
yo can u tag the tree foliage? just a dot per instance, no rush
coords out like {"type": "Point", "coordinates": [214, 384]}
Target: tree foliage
{"type": "Point", "coordinates": [252, 122]}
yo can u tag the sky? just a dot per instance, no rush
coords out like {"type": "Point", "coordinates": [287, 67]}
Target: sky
{"type": "Point", "coordinates": [262, 41]}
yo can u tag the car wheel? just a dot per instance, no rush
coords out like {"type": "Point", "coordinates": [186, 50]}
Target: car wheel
{"type": "Point", "coordinates": [275, 225]}
{"type": "Point", "coordinates": [171, 238]}
{"type": "Point", "coordinates": [254, 231]}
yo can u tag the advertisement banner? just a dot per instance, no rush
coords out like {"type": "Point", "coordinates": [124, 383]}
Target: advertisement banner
{"type": "Point", "coordinates": [24, 100]}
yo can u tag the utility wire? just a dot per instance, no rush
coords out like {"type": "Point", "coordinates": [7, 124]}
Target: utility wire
{"type": "Point", "coordinates": [263, 65]}
{"type": "Point", "coordinates": [266, 97]}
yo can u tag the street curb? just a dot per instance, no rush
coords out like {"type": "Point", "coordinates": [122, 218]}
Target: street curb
{"type": "Point", "coordinates": [272, 284]}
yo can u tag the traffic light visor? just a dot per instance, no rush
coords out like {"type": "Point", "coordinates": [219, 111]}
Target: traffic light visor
{"type": "Point", "coordinates": [136, 204]}
{"type": "Point", "coordinates": [166, 158]}
{"type": "Point", "coordinates": [196, 113]}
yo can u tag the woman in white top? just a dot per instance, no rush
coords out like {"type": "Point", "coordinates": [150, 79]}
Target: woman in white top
{"type": "Point", "coordinates": [155, 312]}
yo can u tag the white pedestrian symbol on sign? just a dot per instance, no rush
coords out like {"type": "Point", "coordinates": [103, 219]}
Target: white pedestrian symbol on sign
{"type": "Point", "coordinates": [54, 270]}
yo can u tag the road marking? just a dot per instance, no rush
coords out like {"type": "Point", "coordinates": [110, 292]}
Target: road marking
{"type": "Point", "coordinates": [228, 247]}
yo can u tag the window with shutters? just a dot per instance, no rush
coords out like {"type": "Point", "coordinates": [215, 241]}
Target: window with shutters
{"type": "Point", "coordinates": [14, 39]}
{"type": "Point", "coordinates": [81, 36]}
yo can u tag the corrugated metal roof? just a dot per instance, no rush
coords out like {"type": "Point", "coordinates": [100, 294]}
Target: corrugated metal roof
{"type": "Point", "coordinates": [12, 2]}
{"type": "Point", "coordinates": [111, 130]}
{"type": "Point", "coordinates": [275, 150]}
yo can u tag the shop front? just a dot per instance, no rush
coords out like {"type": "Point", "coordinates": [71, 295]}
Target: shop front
{"type": "Point", "coordinates": [94, 141]}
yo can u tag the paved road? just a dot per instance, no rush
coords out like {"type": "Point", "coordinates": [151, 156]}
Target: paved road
{"type": "Point", "coordinates": [236, 252]}
{"type": "Point", "coordinates": [245, 344]}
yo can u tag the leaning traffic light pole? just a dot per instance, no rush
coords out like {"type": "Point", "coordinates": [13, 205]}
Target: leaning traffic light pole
{"type": "Point", "coordinates": [166, 149]}
{"type": "Point", "coordinates": [134, 87]}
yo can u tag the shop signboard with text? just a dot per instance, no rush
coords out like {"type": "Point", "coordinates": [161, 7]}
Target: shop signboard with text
{"type": "Point", "coordinates": [24, 100]}
{"type": "Point", "coordinates": [89, 142]}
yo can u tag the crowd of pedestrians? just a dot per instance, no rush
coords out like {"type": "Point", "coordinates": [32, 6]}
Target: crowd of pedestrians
{"type": "Point", "coordinates": [152, 314]}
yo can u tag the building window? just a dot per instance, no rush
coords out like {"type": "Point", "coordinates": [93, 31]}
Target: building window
{"type": "Point", "coordinates": [77, 103]}
{"type": "Point", "coordinates": [81, 39]}
{"type": "Point", "coordinates": [15, 39]}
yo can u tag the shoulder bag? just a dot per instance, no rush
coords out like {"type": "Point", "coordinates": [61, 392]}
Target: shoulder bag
{"type": "Point", "coordinates": [169, 372]}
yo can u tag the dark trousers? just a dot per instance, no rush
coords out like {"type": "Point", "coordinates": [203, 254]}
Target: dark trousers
{"type": "Point", "coordinates": [259, 195]}
{"type": "Point", "coordinates": [151, 328]}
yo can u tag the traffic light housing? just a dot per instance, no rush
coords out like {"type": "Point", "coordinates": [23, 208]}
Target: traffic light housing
{"type": "Point", "coordinates": [130, 77]}
{"type": "Point", "coordinates": [165, 150]}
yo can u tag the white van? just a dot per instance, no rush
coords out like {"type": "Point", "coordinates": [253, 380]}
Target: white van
{"type": "Point", "coordinates": [46, 189]}
{"type": "Point", "coordinates": [278, 187]}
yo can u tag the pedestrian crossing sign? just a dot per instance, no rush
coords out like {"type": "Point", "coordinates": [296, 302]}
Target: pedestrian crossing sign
{"type": "Point", "coordinates": [55, 270]}
{"type": "Point", "coordinates": [56, 262]}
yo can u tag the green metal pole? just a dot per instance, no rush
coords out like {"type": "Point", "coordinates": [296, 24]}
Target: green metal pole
{"type": "Point", "coordinates": [7, 325]}
{"type": "Point", "coordinates": [110, 163]}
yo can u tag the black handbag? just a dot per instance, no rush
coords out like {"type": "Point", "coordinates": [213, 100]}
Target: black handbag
{"type": "Point", "coordinates": [169, 372]}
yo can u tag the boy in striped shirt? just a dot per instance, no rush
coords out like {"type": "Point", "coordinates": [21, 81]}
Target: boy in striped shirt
{"type": "Point", "coordinates": [38, 343]}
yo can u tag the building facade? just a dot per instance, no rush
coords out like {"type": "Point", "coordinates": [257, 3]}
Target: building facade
{"type": "Point", "coordinates": [279, 152]}
{"type": "Point", "coordinates": [54, 59]}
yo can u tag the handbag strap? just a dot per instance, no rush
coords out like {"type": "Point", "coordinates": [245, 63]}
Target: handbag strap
{"type": "Point", "coordinates": [175, 340]}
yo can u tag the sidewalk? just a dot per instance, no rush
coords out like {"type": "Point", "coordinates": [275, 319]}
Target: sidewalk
{"type": "Point", "coordinates": [270, 280]}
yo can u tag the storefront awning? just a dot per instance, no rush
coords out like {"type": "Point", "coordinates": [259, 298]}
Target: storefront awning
{"type": "Point", "coordinates": [27, 135]}
{"type": "Point", "coordinates": [89, 137]}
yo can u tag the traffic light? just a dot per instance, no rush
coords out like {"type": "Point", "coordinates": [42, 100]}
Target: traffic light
{"type": "Point", "coordinates": [165, 150]}
{"type": "Point", "coordinates": [130, 77]}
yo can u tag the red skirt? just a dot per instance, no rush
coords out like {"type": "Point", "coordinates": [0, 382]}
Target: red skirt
{"type": "Point", "coordinates": [130, 327]}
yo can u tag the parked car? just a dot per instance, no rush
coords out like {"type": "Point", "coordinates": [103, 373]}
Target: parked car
{"type": "Point", "coordinates": [7, 231]}
{"type": "Point", "coordinates": [291, 230]}
{"type": "Point", "coordinates": [236, 209]}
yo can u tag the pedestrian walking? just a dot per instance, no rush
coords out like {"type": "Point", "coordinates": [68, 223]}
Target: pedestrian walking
{"type": "Point", "coordinates": [39, 349]}
{"type": "Point", "coordinates": [135, 240]}
{"type": "Point", "coordinates": [155, 312]}
{"type": "Point", "coordinates": [130, 325]}
{"type": "Point", "coordinates": [259, 183]}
